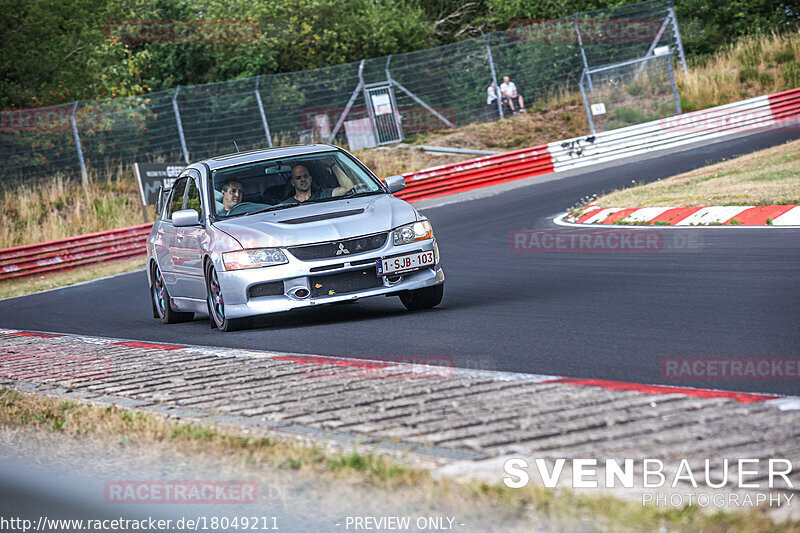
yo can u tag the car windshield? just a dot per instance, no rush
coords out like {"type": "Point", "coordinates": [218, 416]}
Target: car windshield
{"type": "Point", "coordinates": [289, 182]}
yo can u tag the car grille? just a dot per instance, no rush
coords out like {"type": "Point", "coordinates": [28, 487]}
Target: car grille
{"type": "Point", "coordinates": [273, 288]}
{"type": "Point", "coordinates": [339, 249]}
{"type": "Point", "coordinates": [344, 282]}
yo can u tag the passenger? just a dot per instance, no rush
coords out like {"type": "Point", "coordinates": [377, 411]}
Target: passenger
{"type": "Point", "coordinates": [232, 192]}
{"type": "Point", "coordinates": [301, 181]}
{"type": "Point", "coordinates": [510, 94]}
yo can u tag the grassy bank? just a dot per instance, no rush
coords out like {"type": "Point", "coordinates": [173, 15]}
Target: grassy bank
{"type": "Point", "coordinates": [58, 207]}
{"type": "Point", "coordinates": [372, 477]}
{"type": "Point", "coordinates": [753, 66]}
{"type": "Point", "coordinates": [766, 177]}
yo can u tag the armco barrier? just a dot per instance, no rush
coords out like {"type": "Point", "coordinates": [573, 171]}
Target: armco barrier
{"type": "Point", "coordinates": [476, 173]}
{"type": "Point", "coordinates": [777, 110]}
{"type": "Point", "coordinates": [53, 256]}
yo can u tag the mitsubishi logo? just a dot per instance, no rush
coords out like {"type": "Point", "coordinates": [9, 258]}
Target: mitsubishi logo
{"type": "Point", "coordinates": [342, 250]}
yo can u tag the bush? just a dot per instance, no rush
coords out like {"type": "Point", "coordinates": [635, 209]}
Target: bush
{"type": "Point", "coordinates": [632, 116]}
{"type": "Point", "coordinates": [791, 74]}
{"type": "Point", "coordinates": [747, 74]}
{"type": "Point", "coordinates": [784, 56]}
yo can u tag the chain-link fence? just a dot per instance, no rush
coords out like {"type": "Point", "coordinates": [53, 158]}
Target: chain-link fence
{"type": "Point", "coordinates": [630, 92]}
{"type": "Point", "coordinates": [425, 90]}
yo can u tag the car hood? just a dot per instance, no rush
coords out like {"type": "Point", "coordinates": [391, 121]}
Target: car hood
{"type": "Point", "coordinates": [319, 222]}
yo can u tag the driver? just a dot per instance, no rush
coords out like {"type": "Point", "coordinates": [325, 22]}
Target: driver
{"type": "Point", "coordinates": [301, 181]}
{"type": "Point", "coordinates": [232, 193]}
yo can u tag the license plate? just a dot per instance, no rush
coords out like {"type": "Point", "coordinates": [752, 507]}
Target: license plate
{"type": "Point", "coordinates": [404, 263]}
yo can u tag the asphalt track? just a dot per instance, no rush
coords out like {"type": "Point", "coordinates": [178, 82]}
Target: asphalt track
{"type": "Point", "coordinates": [617, 316]}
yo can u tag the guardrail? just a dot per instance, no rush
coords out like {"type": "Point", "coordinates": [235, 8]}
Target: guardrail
{"type": "Point", "coordinates": [777, 110]}
{"type": "Point", "coordinates": [476, 173]}
{"type": "Point", "coordinates": [762, 112]}
{"type": "Point", "coordinates": [64, 254]}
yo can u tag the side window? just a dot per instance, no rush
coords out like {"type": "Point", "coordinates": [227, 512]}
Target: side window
{"type": "Point", "coordinates": [193, 198]}
{"type": "Point", "coordinates": [176, 200]}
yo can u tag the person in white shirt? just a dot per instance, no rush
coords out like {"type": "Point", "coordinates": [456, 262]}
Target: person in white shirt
{"type": "Point", "coordinates": [490, 111]}
{"type": "Point", "coordinates": [510, 94]}
{"type": "Point", "coordinates": [491, 94]}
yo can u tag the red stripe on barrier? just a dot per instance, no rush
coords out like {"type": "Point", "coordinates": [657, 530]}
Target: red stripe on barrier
{"type": "Point", "coordinates": [101, 236]}
{"type": "Point", "coordinates": [330, 361]}
{"type": "Point", "coordinates": [742, 397]}
{"type": "Point", "coordinates": [99, 250]}
{"type": "Point", "coordinates": [69, 266]}
{"type": "Point", "coordinates": [675, 215]}
{"type": "Point", "coordinates": [757, 216]}
{"type": "Point", "coordinates": [35, 334]}
{"type": "Point", "coordinates": [785, 105]}
{"type": "Point", "coordinates": [613, 218]}
{"type": "Point", "coordinates": [147, 345]}
{"type": "Point", "coordinates": [477, 173]}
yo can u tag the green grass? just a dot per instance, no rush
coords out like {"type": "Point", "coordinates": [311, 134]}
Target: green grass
{"type": "Point", "coordinates": [766, 177]}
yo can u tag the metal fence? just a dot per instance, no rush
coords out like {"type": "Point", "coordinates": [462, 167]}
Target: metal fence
{"type": "Point", "coordinates": [368, 102]}
{"type": "Point", "coordinates": [630, 92]}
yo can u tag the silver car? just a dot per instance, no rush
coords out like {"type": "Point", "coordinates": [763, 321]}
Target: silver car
{"type": "Point", "coordinates": [274, 230]}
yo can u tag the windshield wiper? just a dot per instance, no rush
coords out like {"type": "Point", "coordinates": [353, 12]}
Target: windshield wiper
{"type": "Point", "coordinates": [272, 208]}
{"type": "Point", "coordinates": [365, 193]}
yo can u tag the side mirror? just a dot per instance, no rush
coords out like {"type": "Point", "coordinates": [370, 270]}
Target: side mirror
{"type": "Point", "coordinates": [184, 218]}
{"type": "Point", "coordinates": [395, 183]}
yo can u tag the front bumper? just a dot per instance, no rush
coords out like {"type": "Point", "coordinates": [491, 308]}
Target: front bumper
{"type": "Point", "coordinates": [239, 302]}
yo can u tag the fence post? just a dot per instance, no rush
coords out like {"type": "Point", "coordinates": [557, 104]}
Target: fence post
{"type": "Point", "coordinates": [263, 115]}
{"type": "Point", "coordinates": [674, 87]}
{"type": "Point", "coordinates": [180, 124]}
{"type": "Point", "coordinates": [586, 103]}
{"type": "Point", "coordinates": [350, 102]}
{"type": "Point", "coordinates": [494, 77]}
{"type": "Point", "coordinates": [397, 118]}
{"type": "Point", "coordinates": [583, 54]}
{"type": "Point", "coordinates": [677, 35]}
{"type": "Point", "coordinates": [74, 124]}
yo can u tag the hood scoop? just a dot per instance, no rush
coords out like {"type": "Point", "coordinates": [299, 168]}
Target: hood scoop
{"type": "Point", "coordinates": [324, 216]}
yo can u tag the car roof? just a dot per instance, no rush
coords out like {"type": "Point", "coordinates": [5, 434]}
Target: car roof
{"type": "Point", "coordinates": [252, 156]}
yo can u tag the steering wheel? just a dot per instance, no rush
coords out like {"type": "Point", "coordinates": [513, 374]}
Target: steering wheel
{"type": "Point", "coordinates": [235, 208]}
{"type": "Point", "coordinates": [360, 187]}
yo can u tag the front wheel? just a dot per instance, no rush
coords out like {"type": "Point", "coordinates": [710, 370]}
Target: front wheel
{"type": "Point", "coordinates": [159, 297]}
{"type": "Point", "coordinates": [423, 298]}
{"type": "Point", "coordinates": [216, 304]}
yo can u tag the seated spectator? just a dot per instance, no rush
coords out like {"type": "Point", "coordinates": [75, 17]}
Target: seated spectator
{"type": "Point", "coordinates": [492, 93]}
{"type": "Point", "coordinates": [511, 96]}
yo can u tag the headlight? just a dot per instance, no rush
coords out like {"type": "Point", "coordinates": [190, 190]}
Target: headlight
{"type": "Point", "coordinates": [416, 231]}
{"type": "Point", "coordinates": [261, 257]}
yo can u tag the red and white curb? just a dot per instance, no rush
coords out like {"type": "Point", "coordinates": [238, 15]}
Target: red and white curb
{"type": "Point", "coordinates": [786, 216]}
{"type": "Point", "coordinates": [784, 403]}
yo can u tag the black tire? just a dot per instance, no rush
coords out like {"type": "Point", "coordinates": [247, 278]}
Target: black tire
{"type": "Point", "coordinates": [216, 304]}
{"type": "Point", "coordinates": [426, 298]}
{"type": "Point", "coordinates": [159, 297]}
